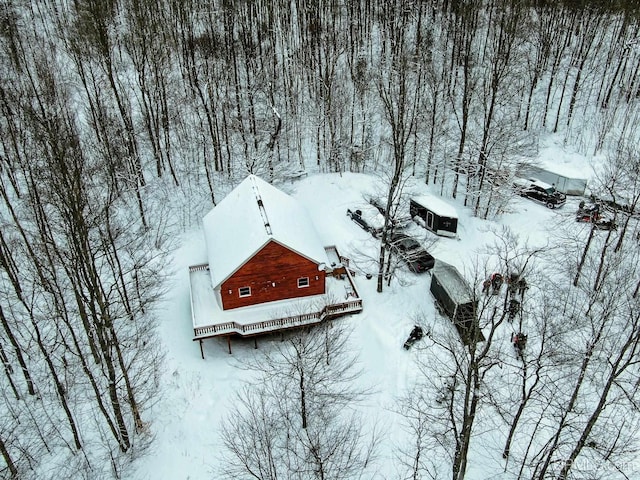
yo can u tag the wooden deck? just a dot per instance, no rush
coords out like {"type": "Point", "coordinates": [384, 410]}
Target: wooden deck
{"type": "Point", "coordinates": [345, 302]}
{"type": "Point", "coordinates": [274, 325]}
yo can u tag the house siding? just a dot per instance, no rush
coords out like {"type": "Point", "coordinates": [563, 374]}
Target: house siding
{"type": "Point", "coordinates": [272, 274]}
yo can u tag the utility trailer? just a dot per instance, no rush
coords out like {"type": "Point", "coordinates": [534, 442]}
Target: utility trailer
{"type": "Point", "coordinates": [455, 299]}
{"type": "Point", "coordinates": [434, 214]}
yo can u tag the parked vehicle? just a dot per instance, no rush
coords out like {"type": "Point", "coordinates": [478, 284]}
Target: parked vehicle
{"type": "Point", "coordinates": [618, 204]}
{"type": "Point", "coordinates": [381, 205]}
{"type": "Point", "coordinates": [607, 224]}
{"type": "Point", "coordinates": [369, 218]}
{"type": "Point", "coordinates": [411, 252]}
{"type": "Point", "coordinates": [456, 300]}
{"type": "Point", "coordinates": [588, 212]}
{"type": "Point", "coordinates": [434, 214]}
{"type": "Point", "coordinates": [541, 192]}
{"type": "Point", "coordinates": [591, 213]}
{"type": "Point", "coordinates": [416, 334]}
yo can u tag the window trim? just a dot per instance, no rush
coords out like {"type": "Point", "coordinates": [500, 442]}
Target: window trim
{"type": "Point", "coordinates": [247, 294]}
{"type": "Point", "coordinates": [304, 280]}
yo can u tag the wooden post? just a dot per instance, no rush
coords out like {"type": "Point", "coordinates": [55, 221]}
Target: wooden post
{"type": "Point", "coordinates": [229, 343]}
{"type": "Point", "coordinates": [255, 343]}
{"type": "Point", "coordinates": [201, 350]}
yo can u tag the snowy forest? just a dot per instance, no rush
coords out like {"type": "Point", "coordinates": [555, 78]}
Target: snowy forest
{"type": "Point", "coordinates": [123, 121]}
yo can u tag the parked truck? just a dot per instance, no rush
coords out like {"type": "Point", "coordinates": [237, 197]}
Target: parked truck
{"type": "Point", "coordinates": [455, 299]}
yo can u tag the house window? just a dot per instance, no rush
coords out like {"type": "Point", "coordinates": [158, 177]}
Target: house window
{"type": "Point", "coordinates": [303, 282]}
{"type": "Point", "coordinates": [245, 291]}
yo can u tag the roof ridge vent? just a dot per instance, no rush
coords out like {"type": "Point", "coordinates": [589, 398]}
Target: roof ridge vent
{"type": "Point", "coordinates": [261, 209]}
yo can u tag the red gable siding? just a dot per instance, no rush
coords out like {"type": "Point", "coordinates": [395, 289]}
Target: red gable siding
{"type": "Point", "coordinates": [272, 274]}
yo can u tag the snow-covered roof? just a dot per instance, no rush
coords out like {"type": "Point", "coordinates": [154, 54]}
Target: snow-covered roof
{"type": "Point", "coordinates": [567, 164]}
{"type": "Point", "coordinates": [436, 205]}
{"type": "Point", "coordinates": [540, 183]}
{"type": "Point", "coordinates": [249, 217]}
{"type": "Point", "coordinates": [453, 282]}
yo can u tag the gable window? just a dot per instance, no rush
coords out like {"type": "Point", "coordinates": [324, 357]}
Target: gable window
{"type": "Point", "coordinates": [303, 282]}
{"type": "Point", "coordinates": [244, 291]}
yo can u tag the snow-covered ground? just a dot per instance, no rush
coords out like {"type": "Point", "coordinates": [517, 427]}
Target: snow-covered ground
{"type": "Point", "coordinates": [195, 393]}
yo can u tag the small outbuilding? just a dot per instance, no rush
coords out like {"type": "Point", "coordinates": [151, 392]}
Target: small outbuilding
{"type": "Point", "coordinates": [455, 299]}
{"type": "Point", "coordinates": [434, 214]}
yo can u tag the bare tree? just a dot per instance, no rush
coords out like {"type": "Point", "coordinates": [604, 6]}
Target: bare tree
{"type": "Point", "coordinates": [464, 45]}
{"type": "Point", "coordinates": [458, 372]}
{"type": "Point", "coordinates": [299, 418]}
{"type": "Point", "coordinates": [69, 282]}
{"type": "Point", "coordinates": [500, 50]}
{"type": "Point", "coordinates": [602, 322]}
{"type": "Point", "coordinates": [252, 437]}
{"type": "Point", "coordinates": [399, 88]}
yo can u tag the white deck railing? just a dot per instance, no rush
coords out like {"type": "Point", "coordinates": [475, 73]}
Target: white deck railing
{"type": "Point", "coordinates": [266, 326]}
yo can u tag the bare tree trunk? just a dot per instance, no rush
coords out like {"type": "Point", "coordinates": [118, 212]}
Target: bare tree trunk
{"type": "Point", "coordinates": [124, 370]}
{"type": "Point", "coordinates": [622, 362]}
{"type": "Point", "coordinates": [18, 353]}
{"type": "Point", "coordinates": [560, 41]}
{"type": "Point", "coordinates": [60, 390]}
{"type": "Point", "coordinates": [13, 470]}
{"type": "Point", "coordinates": [583, 257]}
{"type": "Point", "coordinates": [524, 400]}
{"type": "Point", "coordinates": [589, 33]}
{"type": "Point", "coordinates": [303, 400]}
{"type": "Point", "coordinates": [562, 423]}
{"type": "Point", "coordinates": [8, 371]}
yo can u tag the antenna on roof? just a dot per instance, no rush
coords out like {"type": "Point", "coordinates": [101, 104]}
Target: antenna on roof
{"type": "Point", "coordinates": [263, 212]}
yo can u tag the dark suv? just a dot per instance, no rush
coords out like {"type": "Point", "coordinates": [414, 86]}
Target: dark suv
{"type": "Point", "coordinates": [411, 252]}
{"type": "Point", "coordinates": [541, 192]}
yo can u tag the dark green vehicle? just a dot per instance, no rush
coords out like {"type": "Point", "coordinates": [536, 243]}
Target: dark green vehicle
{"type": "Point", "coordinates": [456, 299]}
